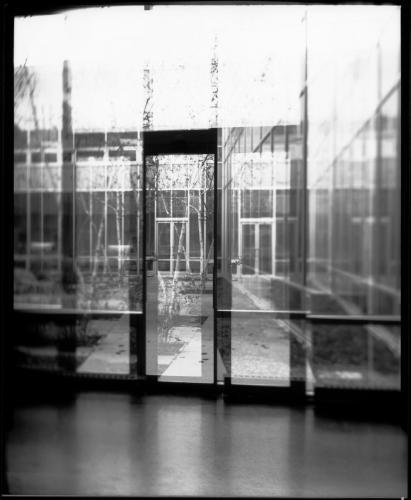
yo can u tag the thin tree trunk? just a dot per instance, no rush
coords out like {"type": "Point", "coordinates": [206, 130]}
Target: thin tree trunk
{"type": "Point", "coordinates": [95, 263]}
{"type": "Point", "coordinates": [204, 276]}
{"type": "Point", "coordinates": [172, 306]}
{"type": "Point", "coordinates": [118, 231]}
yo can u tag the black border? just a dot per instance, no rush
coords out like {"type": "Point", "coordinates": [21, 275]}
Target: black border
{"type": "Point", "coordinates": [6, 249]}
{"type": "Point", "coordinates": [20, 8]}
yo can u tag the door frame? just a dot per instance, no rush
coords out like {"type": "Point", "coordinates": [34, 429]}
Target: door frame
{"type": "Point", "coordinates": [163, 142]}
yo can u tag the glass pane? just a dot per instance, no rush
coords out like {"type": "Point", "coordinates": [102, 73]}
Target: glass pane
{"type": "Point", "coordinates": [195, 223]}
{"type": "Point", "coordinates": [20, 231]}
{"type": "Point", "coordinates": [354, 171]}
{"type": "Point", "coordinates": [260, 351]}
{"type": "Point", "coordinates": [179, 246]}
{"type": "Point", "coordinates": [352, 356]}
{"type": "Point", "coordinates": [260, 251]}
{"type": "Point", "coordinates": [164, 204]}
{"type": "Point", "coordinates": [180, 203]}
{"type": "Point", "coordinates": [265, 251]}
{"type": "Point", "coordinates": [179, 321]}
{"type": "Point", "coordinates": [82, 345]}
{"type": "Point", "coordinates": [81, 229]}
{"type": "Point", "coordinates": [249, 249]}
{"type": "Point", "coordinates": [163, 238]}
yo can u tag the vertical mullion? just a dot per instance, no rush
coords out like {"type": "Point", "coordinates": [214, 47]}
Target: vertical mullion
{"type": "Point", "coordinates": [122, 228]}
{"type": "Point", "coordinates": [59, 196]}
{"type": "Point", "coordinates": [28, 203]}
{"type": "Point", "coordinates": [41, 204]}
{"type": "Point", "coordinates": [241, 242]}
{"type": "Point", "coordinates": [141, 331]}
{"type": "Point", "coordinates": [171, 239]}
{"type": "Point", "coordinates": [105, 156]}
{"type": "Point", "coordinates": [188, 266]}
{"type": "Point", "coordinates": [215, 250]}
{"type": "Point", "coordinates": [257, 248]}
{"type": "Point", "coordinates": [298, 358]}
{"type": "Point", "coordinates": [273, 189]}
{"type": "Point", "coordinates": [240, 231]}
{"type": "Point", "coordinates": [73, 214]}
{"type": "Point", "coordinates": [90, 232]}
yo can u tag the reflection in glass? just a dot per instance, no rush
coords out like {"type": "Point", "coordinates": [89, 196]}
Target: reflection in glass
{"type": "Point", "coordinates": [260, 350]}
{"type": "Point", "coordinates": [180, 288]}
{"type": "Point", "coordinates": [81, 344]}
{"type": "Point", "coordinates": [354, 188]}
{"type": "Point", "coordinates": [346, 355]}
{"type": "Point", "coordinates": [77, 234]}
{"type": "Point", "coordinates": [249, 249]}
{"type": "Point", "coordinates": [103, 272]}
{"type": "Point", "coordinates": [260, 247]}
{"type": "Point", "coordinates": [265, 250]}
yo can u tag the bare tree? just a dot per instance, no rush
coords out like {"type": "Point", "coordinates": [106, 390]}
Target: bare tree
{"type": "Point", "coordinates": [194, 182]}
{"type": "Point", "coordinates": [25, 83]}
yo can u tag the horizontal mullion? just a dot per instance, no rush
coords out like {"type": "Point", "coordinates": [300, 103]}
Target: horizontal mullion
{"type": "Point", "coordinates": [360, 319]}
{"type": "Point", "coordinates": [72, 312]}
{"type": "Point", "coordinates": [285, 314]}
{"type": "Point", "coordinates": [315, 318]}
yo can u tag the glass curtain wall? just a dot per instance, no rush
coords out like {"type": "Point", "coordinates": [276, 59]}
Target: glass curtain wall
{"type": "Point", "coordinates": [78, 202]}
{"type": "Point", "coordinates": [261, 276]}
{"type": "Point", "coordinates": [260, 299]}
{"type": "Point", "coordinates": [308, 187]}
{"type": "Point", "coordinates": [354, 194]}
{"type": "Point", "coordinates": [77, 272]}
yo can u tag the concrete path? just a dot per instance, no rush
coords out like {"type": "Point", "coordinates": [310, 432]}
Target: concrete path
{"type": "Point", "coordinates": [112, 352]}
{"type": "Point", "coordinates": [194, 363]}
{"type": "Point", "coordinates": [260, 347]}
{"type": "Point", "coordinates": [187, 362]}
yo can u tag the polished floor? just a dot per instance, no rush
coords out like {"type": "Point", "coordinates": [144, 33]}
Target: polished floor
{"type": "Point", "coordinates": [117, 444]}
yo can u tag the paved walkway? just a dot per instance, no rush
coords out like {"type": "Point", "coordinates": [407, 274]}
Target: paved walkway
{"type": "Point", "coordinates": [112, 352]}
{"type": "Point", "coordinates": [194, 362]}
{"type": "Point", "coordinates": [187, 363]}
{"type": "Point", "coordinates": [260, 346]}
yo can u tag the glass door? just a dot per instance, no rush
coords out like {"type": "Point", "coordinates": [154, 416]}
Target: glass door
{"type": "Point", "coordinates": [179, 293]}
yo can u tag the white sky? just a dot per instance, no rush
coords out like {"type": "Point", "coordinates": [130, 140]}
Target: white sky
{"type": "Point", "coordinates": [260, 54]}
